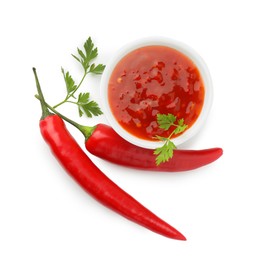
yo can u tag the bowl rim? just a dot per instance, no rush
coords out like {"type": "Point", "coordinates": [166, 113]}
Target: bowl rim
{"type": "Point", "coordinates": [156, 41]}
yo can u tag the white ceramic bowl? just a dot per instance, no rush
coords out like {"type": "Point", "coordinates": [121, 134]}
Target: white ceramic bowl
{"type": "Point", "coordinates": [183, 48]}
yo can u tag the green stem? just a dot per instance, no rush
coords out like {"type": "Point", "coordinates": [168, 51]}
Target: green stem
{"type": "Point", "coordinates": [172, 133]}
{"type": "Point", "coordinates": [78, 86]}
{"type": "Point", "coordinates": [72, 93]}
{"type": "Point", "coordinates": [45, 111]}
{"type": "Point", "coordinates": [62, 102]}
{"type": "Point", "coordinates": [85, 130]}
{"type": "Point", "coordinates": [72, 102]}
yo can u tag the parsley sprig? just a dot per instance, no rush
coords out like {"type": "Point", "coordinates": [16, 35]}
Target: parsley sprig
{"type": "Point", "coordinates": [165, 121]}
{"type": "Point", "coordinates": [85, 105]}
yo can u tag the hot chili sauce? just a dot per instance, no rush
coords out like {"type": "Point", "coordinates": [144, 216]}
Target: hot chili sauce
{"type": "Point", "coordinates": [152, 80]}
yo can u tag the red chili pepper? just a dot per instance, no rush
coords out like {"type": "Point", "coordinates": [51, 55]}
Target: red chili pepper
{"type": "Point", "coordinates": [96, 183]}
{"type": "Point", "coordinates": [105, 143]}
{"type": "Point", "coordinates": [102, 141]}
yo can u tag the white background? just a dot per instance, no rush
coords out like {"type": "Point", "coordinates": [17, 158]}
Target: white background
{"type": "Point", "coordinates": [220, 208]}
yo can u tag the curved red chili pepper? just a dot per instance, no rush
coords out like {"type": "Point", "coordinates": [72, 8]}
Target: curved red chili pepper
{"type": "Point", "coordinates": [96, 183]}
{"type": "Point", "coordinates": [102, 141]}
{"type": "Point", "coordinates": [105, 143]}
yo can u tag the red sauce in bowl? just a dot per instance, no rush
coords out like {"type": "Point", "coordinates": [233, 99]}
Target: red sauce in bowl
{"type": "Point", "coordinates": [152, 80]}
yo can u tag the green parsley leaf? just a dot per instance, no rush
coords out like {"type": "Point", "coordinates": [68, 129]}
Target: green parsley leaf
{"type": "Point", "coordinates": [165, 152]}
{"type": "Point", "coordinates": [97, 69]}
{"type": "Point", "coordinates": [181, 127]}
{"type": "Point", "coordinates": [88, 55]}
{"type": "Point", "coordinates": [83, 98]}
{"type": "Point", "coordinates": [91, 52]}
{"type": "Point", "coordinates": [87, 107]}
{"type": "Point", "coordinates": [69, 82]}
{"type": "Point", "coordinates": [165, 121]}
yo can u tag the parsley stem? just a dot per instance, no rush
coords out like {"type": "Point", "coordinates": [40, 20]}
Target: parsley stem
{"type": "Point", "coordinates": [78, 86]}
{"type": "Point", "coordinates": [62, 102]}
{"type": "Point", "coordinates": [72, 102]}
{"type": "Point", "coordinates": [172, 133]}
{"type": "Point", "coordinates": [72, 93]}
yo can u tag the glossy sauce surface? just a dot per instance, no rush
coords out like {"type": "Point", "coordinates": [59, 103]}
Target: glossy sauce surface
{"type": "Point", "coordinates": [152, 80]}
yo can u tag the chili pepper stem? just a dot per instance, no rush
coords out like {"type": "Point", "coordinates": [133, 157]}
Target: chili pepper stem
{"type": "Point", "coordinates": [85, 130]}
{"type": "Point", "coordinates": [45, 111]}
